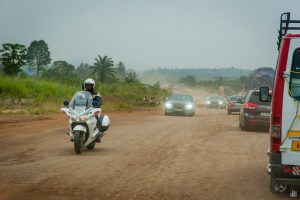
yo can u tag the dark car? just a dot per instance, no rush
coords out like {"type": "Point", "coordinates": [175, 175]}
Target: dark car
{"type": "Point", "coordinates": [233, 104]}
{"type": "Point", "coordinates": [180, 104]}
{"type": "Point", "coordinates": [254, 113]}
{"type": "Point", "coordinates": [215, 102]}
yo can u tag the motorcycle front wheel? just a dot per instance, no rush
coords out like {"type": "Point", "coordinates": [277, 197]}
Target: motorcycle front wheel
{"type": "Point", "coordinates": [78, 142]}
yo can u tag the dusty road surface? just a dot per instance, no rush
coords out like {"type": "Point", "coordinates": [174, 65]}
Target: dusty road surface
{"type": "Point", "coordinates": [145, 155]}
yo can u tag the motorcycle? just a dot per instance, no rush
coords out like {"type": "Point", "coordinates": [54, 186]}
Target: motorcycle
{"type": "Point", "coordinates": [83, 129]}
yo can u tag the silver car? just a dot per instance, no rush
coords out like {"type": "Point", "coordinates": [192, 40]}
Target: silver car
{"type": "Point", "coordinates": [180, 104]}
{"type": "Point", "coordinates": [215, 102]}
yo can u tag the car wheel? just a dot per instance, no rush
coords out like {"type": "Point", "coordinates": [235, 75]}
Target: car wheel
{"type": "Point", "coordinates": [244, 126]}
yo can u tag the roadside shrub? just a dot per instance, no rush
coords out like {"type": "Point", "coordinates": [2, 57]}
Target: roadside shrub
{"type": "Point", "coordinates": [46, 96]}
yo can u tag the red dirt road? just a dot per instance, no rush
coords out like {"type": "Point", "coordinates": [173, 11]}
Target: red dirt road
{"type": "Point", "coordinates": [145, 155]}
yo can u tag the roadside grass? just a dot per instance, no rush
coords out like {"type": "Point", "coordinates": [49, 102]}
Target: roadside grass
{"type": "Point", "coordinates": [30, 96]}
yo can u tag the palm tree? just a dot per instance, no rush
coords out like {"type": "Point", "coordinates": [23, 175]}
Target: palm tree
{"type": "Point", "coordinates": [103, 67]}
{"type": "Point", "coordinates": [121, 71]}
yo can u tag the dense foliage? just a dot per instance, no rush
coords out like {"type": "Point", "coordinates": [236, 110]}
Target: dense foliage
{"type": "Point", "coordinates": [12, 57]}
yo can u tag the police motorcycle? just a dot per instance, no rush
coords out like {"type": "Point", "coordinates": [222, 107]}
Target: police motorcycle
{"type": "Point", "coordinates": [83, 128]}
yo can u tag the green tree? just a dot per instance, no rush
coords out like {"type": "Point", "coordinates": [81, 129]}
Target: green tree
{"type": "Point", "coordinates": [111, 78]}
{"type": "Point", "coordinates": [243, 80]}
{"type": "Point", "coordinates": [220, 81]}
{"type": "Point", "coordinates": [83, 71]}
{"type": "Point", "coordinates": [13, 56]}
{"type": "Point", "coordinates": [103, 68]}
{"type": "Point", "coordinates": [121, 71]}
{"type": "Point", "coordinates": [38, 55]}
{"type": "Point", "coordinates": [188, 80]}
{"type": "Point", "coordinates": [131, 77]}
{"type": "Point", "coordinates": [156, 88]}
{"type": "Point", "coordinates": [64, 68]}
{"type": "Point", "coordinates": [62, 71]}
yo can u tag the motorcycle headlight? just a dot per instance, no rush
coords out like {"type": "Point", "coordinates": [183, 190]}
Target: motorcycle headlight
{"type": "Point", "coordinates": [189, 106]}
{"type": "Point", "coordinates": [74, 117]}
{"type": "Point", "coordinates": [83, 118]}
{"type": "Point", "coordinates": [168, 105]}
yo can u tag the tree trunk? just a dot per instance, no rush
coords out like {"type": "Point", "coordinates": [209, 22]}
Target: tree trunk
{"type": "Point", "coordinates": [12, 75]}
{"type": "Point", "coordinates": [37, 70]}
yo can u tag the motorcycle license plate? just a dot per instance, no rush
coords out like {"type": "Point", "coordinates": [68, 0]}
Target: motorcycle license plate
{"type": "Point", "coordinates": [295, 145]}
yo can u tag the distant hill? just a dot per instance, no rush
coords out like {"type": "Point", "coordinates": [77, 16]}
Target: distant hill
{"type": "Point", "coordinates": [167, 75]}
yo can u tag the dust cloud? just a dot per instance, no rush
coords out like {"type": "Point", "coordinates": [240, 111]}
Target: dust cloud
{"type": "Point", "coordinates": [199, 94]}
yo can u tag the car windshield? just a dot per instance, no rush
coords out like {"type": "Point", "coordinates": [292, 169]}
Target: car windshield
{"type": "Point", "coordinates": [255, 99]}
{"type": "Point", "coordinates": [215, 98]}
{"type": "Point", "coordinates": [181, 97]}
{"type": "Point", "coordinates": [235, 98]}
{"type": "Point", "coordinates": [81, 99]}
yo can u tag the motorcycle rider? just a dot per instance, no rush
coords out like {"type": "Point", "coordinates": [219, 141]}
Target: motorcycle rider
{"type": "Point", "coordinates": [89, 85]}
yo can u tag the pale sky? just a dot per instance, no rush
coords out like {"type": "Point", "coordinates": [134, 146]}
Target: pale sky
{"type": "Point", "coordinates": [154, 33]}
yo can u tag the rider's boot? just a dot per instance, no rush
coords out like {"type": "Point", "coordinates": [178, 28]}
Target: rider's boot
{"type": "Point", "coordinates": [99, 125]}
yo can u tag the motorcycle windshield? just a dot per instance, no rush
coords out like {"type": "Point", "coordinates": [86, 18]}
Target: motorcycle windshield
{"type": "Point", "coordinates": [81, 101]}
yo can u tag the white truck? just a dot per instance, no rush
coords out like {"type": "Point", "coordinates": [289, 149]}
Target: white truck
{"type": "Point", "coordinates": [284, 153]}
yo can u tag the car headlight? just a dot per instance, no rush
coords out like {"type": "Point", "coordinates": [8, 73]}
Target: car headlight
{"type": "Point", "coordinates": [168, 105]}
{"type": "Point", "coordinates": [220, 102]}
{"type": "Point", "coordinates": [189, 106]}
{"type": "Point", "coordinates": [207, 102]}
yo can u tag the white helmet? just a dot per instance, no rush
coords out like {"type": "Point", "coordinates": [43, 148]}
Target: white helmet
{"type": "Point", "coordinates": [89, 81]}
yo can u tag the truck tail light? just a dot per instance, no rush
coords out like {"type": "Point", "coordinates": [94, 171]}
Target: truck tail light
{"type": "Point", "coordinates": [275, 137]}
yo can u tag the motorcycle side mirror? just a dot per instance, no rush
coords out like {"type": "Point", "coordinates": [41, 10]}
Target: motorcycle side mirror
{"type": "Point", "coordinates": [66, 103]}
{"type": "Point", "coordinates": [95, 104]}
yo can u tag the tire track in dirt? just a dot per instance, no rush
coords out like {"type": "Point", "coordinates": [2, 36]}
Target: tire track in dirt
{"type": "Point", "coordinates": [145, 155]}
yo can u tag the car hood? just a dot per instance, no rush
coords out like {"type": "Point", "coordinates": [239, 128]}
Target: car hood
{"type": "Point", "coordinates": [216, 100]}
{"type": "Point", "coordinates": [179, 102]}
